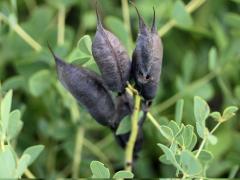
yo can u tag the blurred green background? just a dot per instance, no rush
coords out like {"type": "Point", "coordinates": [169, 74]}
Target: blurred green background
{"type": "Point", "coordinates": [53, 118]}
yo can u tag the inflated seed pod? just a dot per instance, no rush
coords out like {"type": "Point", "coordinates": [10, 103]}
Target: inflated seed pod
{"type": "Point", "coordinates": [111, 58]}
{"type": "Point", "coordinates": [147, 59]}
{"type": "Point", "coordinates": [88, 89]}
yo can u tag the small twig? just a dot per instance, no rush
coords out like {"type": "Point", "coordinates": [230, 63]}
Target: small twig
{"type": "Point", "coordinates": [153, 120]}
{"type": "Point", "coordinates": [133, 134]}
{"type": "Point", "coordinates": [61, 25]}
{"type": "Point", "coordinates": [29, 174]}
{"type": "Point", "coordinates": [205, 139]}
{"type": "Point", "coordinates": [97, 152]}
{"type": "Point", "coordinates": [25, 36]}
{"type": "Point", "coordinates": [78, 152]}
{"type": "Point", "coordinates": [126, 20]}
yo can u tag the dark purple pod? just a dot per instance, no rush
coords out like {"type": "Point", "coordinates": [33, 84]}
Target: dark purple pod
{"type": "Point", "coordinates": [147, 59]}
{"type": "Point", "coordinates": [88, 89]}
{"type": "Point", "coordinates": [111, 58]}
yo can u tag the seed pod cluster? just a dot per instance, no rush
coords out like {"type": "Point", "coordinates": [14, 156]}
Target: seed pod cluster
{"type": "Point", "coordinates": [93, 91]}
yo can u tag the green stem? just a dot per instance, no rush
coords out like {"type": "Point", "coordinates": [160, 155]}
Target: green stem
{"type": "Point", "coordinates": [97, 152]}
{"type": "Point", "coordinates": [29, 174]}
{"type": "Point", "coordinates": [78, 152]}
{"type": "Point", "coordinates": [105, 141]}
{"type": "Point", "coordinates": [133, 135]}
{"type": "Point", "coordinates": [153, 121]}
{"type": "Point", "coordinates": [61, 25]}
{"type": "Point", "coordinates": [126, 20]}
{"type": "Point", "coordinates": [25, 36]}
{"type": "Point", "coordinates": [190, 7]}
{"type": "Point", "coordinates": [205, 139]}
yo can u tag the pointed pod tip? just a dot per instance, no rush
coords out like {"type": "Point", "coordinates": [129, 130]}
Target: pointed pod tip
{"type": "Point", "coordinates": [99, 23]}
{"type": "Point", "coordinates": [57, 59]}
{"type": "Point", "coordinates": [154, 28]}
{"type": "Point", "coordinates": [142, 25]}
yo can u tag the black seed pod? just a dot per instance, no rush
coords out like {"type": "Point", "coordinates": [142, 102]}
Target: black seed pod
{"type": "Point", "coordinates": [111, 58]}
{"type": "Point", "coordinates": [88, 89]}
{"type": "Point", "coordinates": [147, 59]}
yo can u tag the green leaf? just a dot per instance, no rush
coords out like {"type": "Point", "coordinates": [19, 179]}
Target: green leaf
{"type": "Point", "coordinates": [33, 152]}
{"type": "Point", "coordinates": [229, 112]}
{"type": "Point", "coordinates": [14, 125]}
{"type": "Point", "coordinates": [179, 111]}
{"type": "Point", "coordinates": [123, 175]}
{"type": "Point", "coordinates": [190, 163]}
{"type": "Point", "coordinates": [232, 19]}
{"type": "Point", "coordinates": [212, 139]}
{"type": "Point", "coordinates": [176, 131]}
{"type": "Point", "coordinates": [236, 1]}
{"type": "Point", "coordinates": [99, 170]}
{"type": "Point", "coordinates": [187, 135]}
{"type": "Point", "coordinates": [201, 112]}
{"type": "Point", "coordinates": [181, 16]}
{"type": "Point", "coordinates": [85, 45]}
{"type": "Point", "coordinates": [205, 156]}
{"type": "Point", "coordinates": [169, 155]}
{"type": "Point", "coordinates": [216, 116]}
{"type": "Point", "coordinates": [163, 159]}
{"type": "Point", "coordinates": [124, 126]}
{"type": "Point", "coordinates": [193, 143]}
{"type": "Point", "coordinates": [167, 132]}
{"type": "Point", "coordinates": [14, 82]}
{"type": "Point", "coordinates": [7, 160]}
{"type": "Point", "coordinates": [39, 82]}
{"type": "Point", "coordinates": [212, 59]}
{"type": "Point", "coordinates": [22, 165]}
{"type": "Point", "coordinates": [5, 111]}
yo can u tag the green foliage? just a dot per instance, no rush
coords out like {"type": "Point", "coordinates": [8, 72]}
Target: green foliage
{"type": "Point", "coordinates": [181, 16]}
{"type": "Point", "coordinates": [183, 140]}
{"type": "Point", "coordinates": [124, 126]}
{"type": "Point", "coordinates": [100, 171]}
{"type": "Point", "coordinates": [201, 112]}
{"type": "Point", "coordinates": [11, 125]}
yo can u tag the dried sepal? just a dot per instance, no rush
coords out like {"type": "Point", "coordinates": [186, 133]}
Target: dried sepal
{"type": "Point", "coordinates": [147, 59]}
{"type": "Point", "coordinates": [88, 89]}
{"type": "Point", "coordinates": [111, 58]}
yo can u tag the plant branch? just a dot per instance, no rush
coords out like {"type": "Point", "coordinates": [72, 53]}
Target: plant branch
{"type": "Point", "coordinates": [78, 152]}
{"type": "Point", "coordinates": [29, 174]}
{"type": "Point", "coordinates": [153, 121]}
{"type": "Point", "coordinates": [133, 134]}
{"type": "Point", "coordinates": [22, 33]}
{"type": "Point", "coordinates": [205, 139]}
{"type": "Point", "coordinates": [126, 20]}
{"type": "Point", "coordinates": [61, 25]}
{"type": "Point", "coordinates": [190, 7]}
{"type": "Point", "coordinates": [97, 152]}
